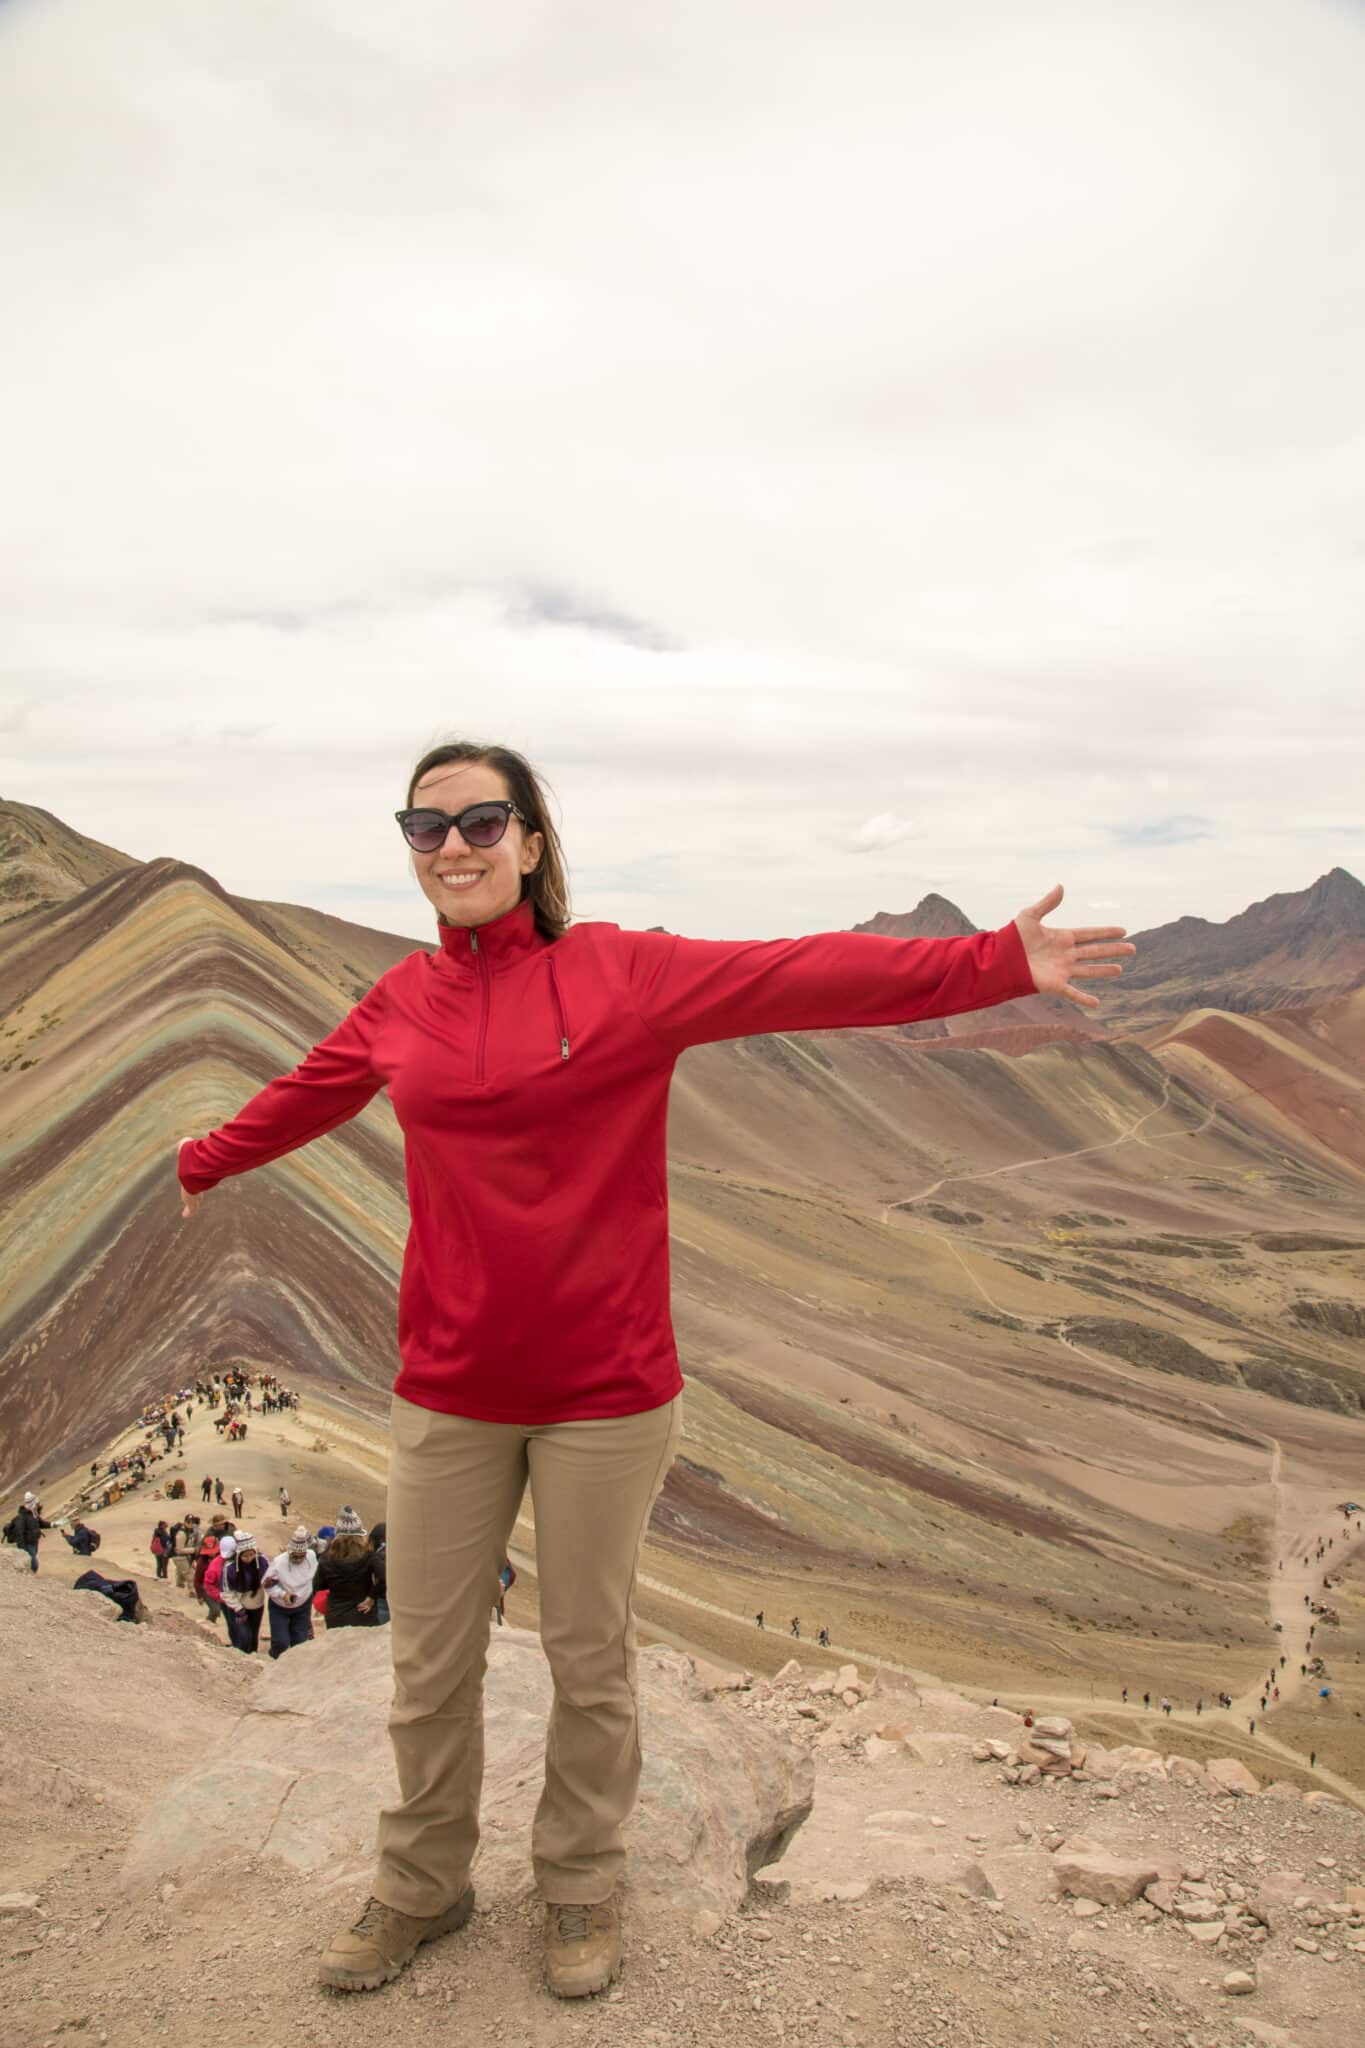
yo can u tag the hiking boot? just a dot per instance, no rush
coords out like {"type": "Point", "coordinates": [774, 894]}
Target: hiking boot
{"type": "Point", "coordinates": [582, 1948]}
{"type": "Point", "coordinates": [384, 1941]}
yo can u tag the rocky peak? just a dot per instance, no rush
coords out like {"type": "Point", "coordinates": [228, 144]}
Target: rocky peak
{"type": "Point", "coordinates": [933, 917]}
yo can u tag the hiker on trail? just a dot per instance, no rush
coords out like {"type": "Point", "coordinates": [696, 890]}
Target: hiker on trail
{"type": "Point", "coordinates": [796, 1626]}
{"type": "Point", "coordinates": [238, 1503]}
{"type": "Point", "coordinates": [289, 1583]}
{"type": "Point", "coordinates": [206, 1489]}
{"type": "Point", "coordinates": [207, 1557]}
{"type": "Point", "coordinates": [28, 1526]}
{"type": "Point", "coordinates": [1312, 1759]}
{"type": "Point", "coordinates": [823, 1638]}
{"type": "Point", "coordinates": [1125, 1693]}
{"type": "Point", "coordinates": [379, 1544]}
{"type": "Point", "coordinates": [529, 1061]}
{"type": "Point", "coordinates": [218, 1491]}
{"type": "Point", "coordinates": [242, 1593]}
{"type": "Point", "coordinates": [1199, 1704]}
{"type": "Point", "coordinates": [1165, 1706]}
{"type": "Point", "coordinates": [1252, 1726]}
{"type": "Point", "coordinates": [285, 1502]}
{"type": "Point", "coordinates": [1146, 1699]}
{"type": "Point", "coordinates": [161, 1548]}
{"type": "Point", "coordinates": [186, 1552]}
{"type": "Point", "coordinates": [351, 1575]}
{"type": "Point", "coordinates": [83, 1540]}
{"type": "Point", "coordinates": [759, 1617]}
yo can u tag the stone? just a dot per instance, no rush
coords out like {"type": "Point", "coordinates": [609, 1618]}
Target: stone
{"type": "Point", "coordinates": [1054, 1725]}
{"type": "Point", "coordinates": [1104, 1792]}
{"type": "Point", "coordinates": [1310, 1948]}
{"type": "Point", "coordinates": [1234, 1777]}
{"type": "Point", "coordinates": [1086, 1909]}
{"type": "Point", "coordinates": [16, 1903]}
{"type": "Point", "coordinates": [1113, 1880]}
{"type": "Point", "coordinates": [310, 1765]}
{"type": "Point", "coordinates": [1161, 1895]}
{"type": "Point", "coordinates": [1238, 1983]}
{"type": "Point", "coordinates": [711, 1678]}
{"type": "Point", "coordinates": [789, 1674]}
{"type": "Point", "coordinates": [1196, 1909]}
{"type": "Point", "coordinates": [1207, 1931]}
{"type": "Point", "coordinates": [706, 1923]}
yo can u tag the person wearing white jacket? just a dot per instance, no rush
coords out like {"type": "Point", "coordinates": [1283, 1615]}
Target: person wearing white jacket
{"type": "Point", "coordinates": [289, 1582]}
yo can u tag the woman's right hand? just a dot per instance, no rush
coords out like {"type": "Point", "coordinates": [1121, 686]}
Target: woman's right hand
{"type": "Point", "coordinates": [189, 1203]}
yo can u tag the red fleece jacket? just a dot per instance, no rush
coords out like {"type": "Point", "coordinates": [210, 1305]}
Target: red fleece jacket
{"type": "Point", "coordinates": [530, 1078]}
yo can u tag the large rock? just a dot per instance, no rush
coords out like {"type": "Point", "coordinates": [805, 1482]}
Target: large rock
{"type": "Point", "coordinates": [1113, 1880]}
{"type": "Point", "coordinates": [1234, 1777]}
{"type": "Point", "coordinates": [1130, 1759]}
{"type": "Point", "coordinates": [305, 1771]}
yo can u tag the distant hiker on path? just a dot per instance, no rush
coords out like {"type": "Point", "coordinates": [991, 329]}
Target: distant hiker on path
{"type": "Point", "coordinates": [161, 1548]}
{"type": "Point", "coordinates": [285, 1502]}
{"type": "Point", "coordinates": [529, 1061]}
{"type": "Point", "coordinates": [218, 1491]}
{"type": "Point", "coordinates": [238, 1503]}
{"type": "Point", "coordinates": [206, 1489]}
{"type": "Point", "coordinates": [759, 1617]}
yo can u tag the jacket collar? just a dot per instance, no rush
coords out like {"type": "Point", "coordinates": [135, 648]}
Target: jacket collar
{"type": "Point", "coordinates": [501, 942]}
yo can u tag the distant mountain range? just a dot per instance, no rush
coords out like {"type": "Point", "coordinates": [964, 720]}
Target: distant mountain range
{"type": "Point", "coordinates": [1303, 947]}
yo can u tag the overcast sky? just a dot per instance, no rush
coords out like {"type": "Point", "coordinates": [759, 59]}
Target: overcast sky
{"type": "Point", "coordinates": [855, 449]}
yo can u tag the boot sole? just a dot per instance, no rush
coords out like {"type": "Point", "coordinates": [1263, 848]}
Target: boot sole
{"type": "Point", "coordinates": [337, 1978]}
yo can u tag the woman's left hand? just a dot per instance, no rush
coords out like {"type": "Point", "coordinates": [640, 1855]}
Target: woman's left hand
{"type": "Point", "coordinates": [1058, 959]}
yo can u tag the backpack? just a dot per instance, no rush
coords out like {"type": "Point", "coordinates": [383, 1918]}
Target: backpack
{"type": "Point", "coordinates": [92, 1537]}
{"type": "Point", "coordinates": [10, 1532]}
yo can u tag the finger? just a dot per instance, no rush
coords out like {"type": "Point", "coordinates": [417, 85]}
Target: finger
{"type": "Point", "coordinates": [1095, 973]}
{"type": "Point", "coordinates": [1082, 1002]}
{"type": "Point", "coordinates": [1101, 931]}
{"type": "Point", "coordinates": [1046, 903]}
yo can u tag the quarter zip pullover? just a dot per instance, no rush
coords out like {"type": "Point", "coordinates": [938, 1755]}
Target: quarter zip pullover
{"type": "Point", "coordinates": [535, 1283]}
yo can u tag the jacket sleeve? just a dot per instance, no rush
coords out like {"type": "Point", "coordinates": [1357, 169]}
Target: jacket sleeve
{"type": "Point", "coordinates": [330, 1086]}
{"type": "Point", "coordinates": [693, 991]}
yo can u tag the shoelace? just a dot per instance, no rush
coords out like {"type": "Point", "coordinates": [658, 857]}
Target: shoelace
{"type": "Point", "coordinates": [371, 1918]}
{"type": "Point", "coordinates": [573, 1922]}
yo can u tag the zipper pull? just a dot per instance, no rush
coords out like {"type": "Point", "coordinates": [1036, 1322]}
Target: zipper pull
{"type": "Point", "coordinates": [563, 1048]}
{"type": "Point", "coordinates": [473, 942]}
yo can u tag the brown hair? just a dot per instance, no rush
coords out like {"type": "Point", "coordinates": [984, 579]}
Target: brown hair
{"type": "Point", "coordinates": [349, 1544]}
{"type": "Point", "coordinates": [547, 886]}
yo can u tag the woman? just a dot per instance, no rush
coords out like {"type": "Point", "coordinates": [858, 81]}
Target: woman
{"type": "Point", "coordinates": [289, 1583]}
{"type": "Point", "coordinates": [242, 1592]}
{"type": "Point", "coordinates": [529, 1065]}
{"type": "Point", "coordinates": [161, 1547]}
{"type": "Point", "coordinates": [352, 1576]}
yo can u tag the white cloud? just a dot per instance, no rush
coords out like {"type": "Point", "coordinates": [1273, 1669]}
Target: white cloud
{"type": "Point", "coordinates": [761, 415]}
{"type": "Point", "coordinates": [883, 830]}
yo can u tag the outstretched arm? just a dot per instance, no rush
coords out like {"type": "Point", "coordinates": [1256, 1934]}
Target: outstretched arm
{"type": "Point", "coordinates": [332, 1084]}
{"type": "Point", "coordinates": [693, 991]}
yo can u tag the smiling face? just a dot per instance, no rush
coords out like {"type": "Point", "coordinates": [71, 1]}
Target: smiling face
{"type": "Point", "coordinates": [471, 885]}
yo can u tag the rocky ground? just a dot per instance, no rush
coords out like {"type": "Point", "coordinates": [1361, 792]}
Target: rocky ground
{"type": "Point", "coordinates": [960, 1878]}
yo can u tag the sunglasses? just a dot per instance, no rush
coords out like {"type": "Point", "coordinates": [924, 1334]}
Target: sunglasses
{"type": "Point", "coordinates": [478, 825]}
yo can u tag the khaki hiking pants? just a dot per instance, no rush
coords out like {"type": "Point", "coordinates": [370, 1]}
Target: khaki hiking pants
{"type": "Point", "coordinates": [455, 1486]}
